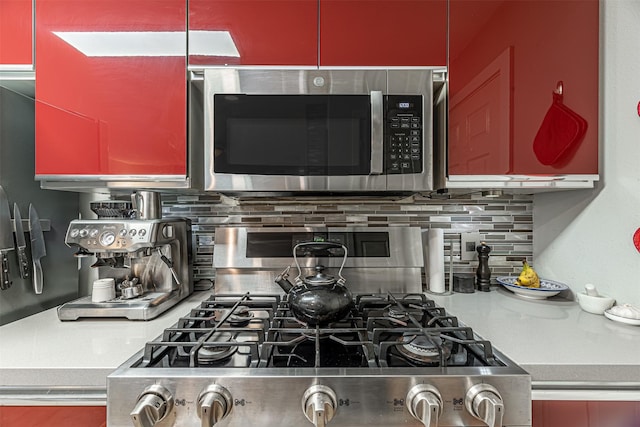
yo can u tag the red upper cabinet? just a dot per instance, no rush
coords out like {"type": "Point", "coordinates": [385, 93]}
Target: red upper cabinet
{"type": "Point", "coordinates": [111, 88]}
{"type": "Point", "coordinates": [253, 32]}
{"type": "Point", "coordinates": [506, 60]}
{"type": "Point", "coordinates": [383, 32]}
{"type": "Point", "coordinates": [16, 34]}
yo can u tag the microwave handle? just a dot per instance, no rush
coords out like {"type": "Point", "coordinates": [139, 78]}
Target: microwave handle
{"type": "Point", "coordinates": [377, 132]}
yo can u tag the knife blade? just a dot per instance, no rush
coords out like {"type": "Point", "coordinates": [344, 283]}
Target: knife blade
{"type": "Point", "coordinates": [21, 244]}
{"type": "Point", "coordinates": [6, 244]}
{"type": "Point", "coordinates": [38, 249]}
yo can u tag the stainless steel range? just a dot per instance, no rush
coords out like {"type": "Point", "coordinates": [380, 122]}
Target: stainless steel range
{"type": "Point", "coordinates": [395, 359]}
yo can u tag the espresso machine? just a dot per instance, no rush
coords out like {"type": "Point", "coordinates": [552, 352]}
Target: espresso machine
{"type": "Point", "coordinates": [143, 262]}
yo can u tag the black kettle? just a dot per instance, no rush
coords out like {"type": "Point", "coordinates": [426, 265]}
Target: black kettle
{"type": "Point", "coordinates": [320, 299]}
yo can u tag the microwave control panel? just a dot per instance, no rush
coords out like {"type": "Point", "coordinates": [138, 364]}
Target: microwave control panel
{"type": "Point", "coordinates": [403, 134]}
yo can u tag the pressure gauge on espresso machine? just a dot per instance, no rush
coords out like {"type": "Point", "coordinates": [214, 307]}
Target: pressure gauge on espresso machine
{"type": "Point", "coordinates": [107, 238]}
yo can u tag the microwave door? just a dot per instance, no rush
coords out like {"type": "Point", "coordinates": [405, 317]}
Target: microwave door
{"type": "Point", "coordinates": [303, 135]}
{"type": "Point", "coordinates": [295, 130]}
{"type": "Point", "coordinates": [377, 132]}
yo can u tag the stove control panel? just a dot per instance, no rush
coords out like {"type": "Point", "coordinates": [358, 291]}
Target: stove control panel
{"type": "Point", "coordinates": [340, 398]}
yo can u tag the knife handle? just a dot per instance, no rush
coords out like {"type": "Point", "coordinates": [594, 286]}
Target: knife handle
{"type": "Point", "coordinates": [23, 263]}
{"type": "Point", "coordinates": [5, 277]}
{"type": "Point", "coordinates": [37, 276]}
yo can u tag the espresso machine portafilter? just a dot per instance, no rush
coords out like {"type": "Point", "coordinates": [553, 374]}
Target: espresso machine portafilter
{"type": "Point", "coordinates": [149, 260]}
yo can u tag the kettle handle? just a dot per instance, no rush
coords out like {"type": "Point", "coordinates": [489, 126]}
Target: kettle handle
{"type": "Point", "coordinates": [316, 247]}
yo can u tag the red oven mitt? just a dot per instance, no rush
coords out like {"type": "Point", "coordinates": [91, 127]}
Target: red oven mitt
{"type": "Point", "coordinates": [561, 130]}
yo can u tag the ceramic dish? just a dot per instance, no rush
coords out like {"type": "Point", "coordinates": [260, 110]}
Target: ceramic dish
{"type": "Point", "coordinates": [627, 320]}
{"type": "Point", "coordinates": [594, 304]}
{"type": "Point", "coordinates": [548, 288]}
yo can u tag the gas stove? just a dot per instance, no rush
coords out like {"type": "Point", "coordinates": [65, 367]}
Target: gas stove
{"type": "Point", "coordinates": [243, 358]}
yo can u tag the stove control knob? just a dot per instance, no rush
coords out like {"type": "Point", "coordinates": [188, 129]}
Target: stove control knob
{"type": "Point", "coordinates": [319, 405]}
{"type": "Point", "coordinates": [214, 404]}
{"type": "Point", "coordinates": [485, 403]}
{"type": "Point", "coordinates": [425, 404]}
{"type": "Point", "coordinates": [153, 405]}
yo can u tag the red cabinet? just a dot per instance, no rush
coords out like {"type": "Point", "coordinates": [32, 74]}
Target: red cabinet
{"type": "Point", "coordinates": [53, 416]}
{"type": "Point", "coordinates": [344, 33]}
{"type": "Point", "coordinates": [569, 413]}
{"type": "Point", "coordinates": [506, 59]}
{"type": "Point", "coordinates": [111, 88]}
{"type": "Point", "coordinates": [383, 32]}
{"type": "Point", "coordinates": [253, 32]}
{"type": "Point", "coordinates": [16, 34]}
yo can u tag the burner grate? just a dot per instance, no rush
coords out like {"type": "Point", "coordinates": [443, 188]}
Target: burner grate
{"type": "Point", "coordinates": [193, 347]}
{"type": "Point", "coordinates": [222, 331]}
{"type": "Point", "coordinates": [459, 346]}
{"type": "Point", "coordinates": [383, 331]}
{"type": "Point", "coordinates": [317, 347]}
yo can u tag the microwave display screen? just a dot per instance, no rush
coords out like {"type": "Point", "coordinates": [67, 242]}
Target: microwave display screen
{"type": "Point", "coordinates": [303, 135]}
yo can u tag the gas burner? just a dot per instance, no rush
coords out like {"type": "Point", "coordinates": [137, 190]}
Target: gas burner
{"type": "Point", "coordinates": [424, 350]}
{"type": "Point", "coordinates": [241, 316]}
{"type": "Point", "coordinates": [208, 355]}
{"type": "Point", "coordinates": [396, 314]}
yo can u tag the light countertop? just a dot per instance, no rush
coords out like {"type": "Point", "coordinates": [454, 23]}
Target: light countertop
{"type": "Point", "coordinates": [559, 344]}
{"type": "Point", "coordinates": [569, 353]}
{"type": "Point", "coordinates": [40, 351]}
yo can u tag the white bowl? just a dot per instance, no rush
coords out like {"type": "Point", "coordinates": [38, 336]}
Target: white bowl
{"type": "Point", "coordinates": [594, 304]}
{"type": "Point", "coordinates": [548, 288]}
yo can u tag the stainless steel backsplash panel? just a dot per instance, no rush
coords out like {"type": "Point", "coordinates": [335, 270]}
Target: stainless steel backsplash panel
{"type": "Point", "coordinates": [400, 272]}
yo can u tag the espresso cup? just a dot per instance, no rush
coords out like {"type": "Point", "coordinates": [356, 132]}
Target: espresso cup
{"type": "Point", "coordinates": [103, 290]}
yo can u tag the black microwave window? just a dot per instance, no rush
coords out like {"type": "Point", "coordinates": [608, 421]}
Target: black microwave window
{"type": "Point", "coordinates": [303, 135]}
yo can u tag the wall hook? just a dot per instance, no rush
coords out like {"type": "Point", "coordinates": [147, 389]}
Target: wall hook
{"type": "Point", "coordinates": [559, 88]}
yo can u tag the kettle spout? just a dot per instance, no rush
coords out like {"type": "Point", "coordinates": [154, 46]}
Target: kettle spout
{"type": "Point", "coordinates": [283, 281]}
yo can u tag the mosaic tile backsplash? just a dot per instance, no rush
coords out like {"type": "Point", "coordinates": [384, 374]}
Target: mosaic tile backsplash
{"type": "Point", "coordinates": [504, 223]}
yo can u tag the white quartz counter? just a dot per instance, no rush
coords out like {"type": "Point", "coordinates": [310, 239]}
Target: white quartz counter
{"type": "Point", "coordinates": [570, 354]}
{"type": "Point", "coordinates": [71, 360]}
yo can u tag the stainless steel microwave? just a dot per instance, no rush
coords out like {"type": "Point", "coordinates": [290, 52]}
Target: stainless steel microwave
{"type": "Point", "coordinates": [318, 130]}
